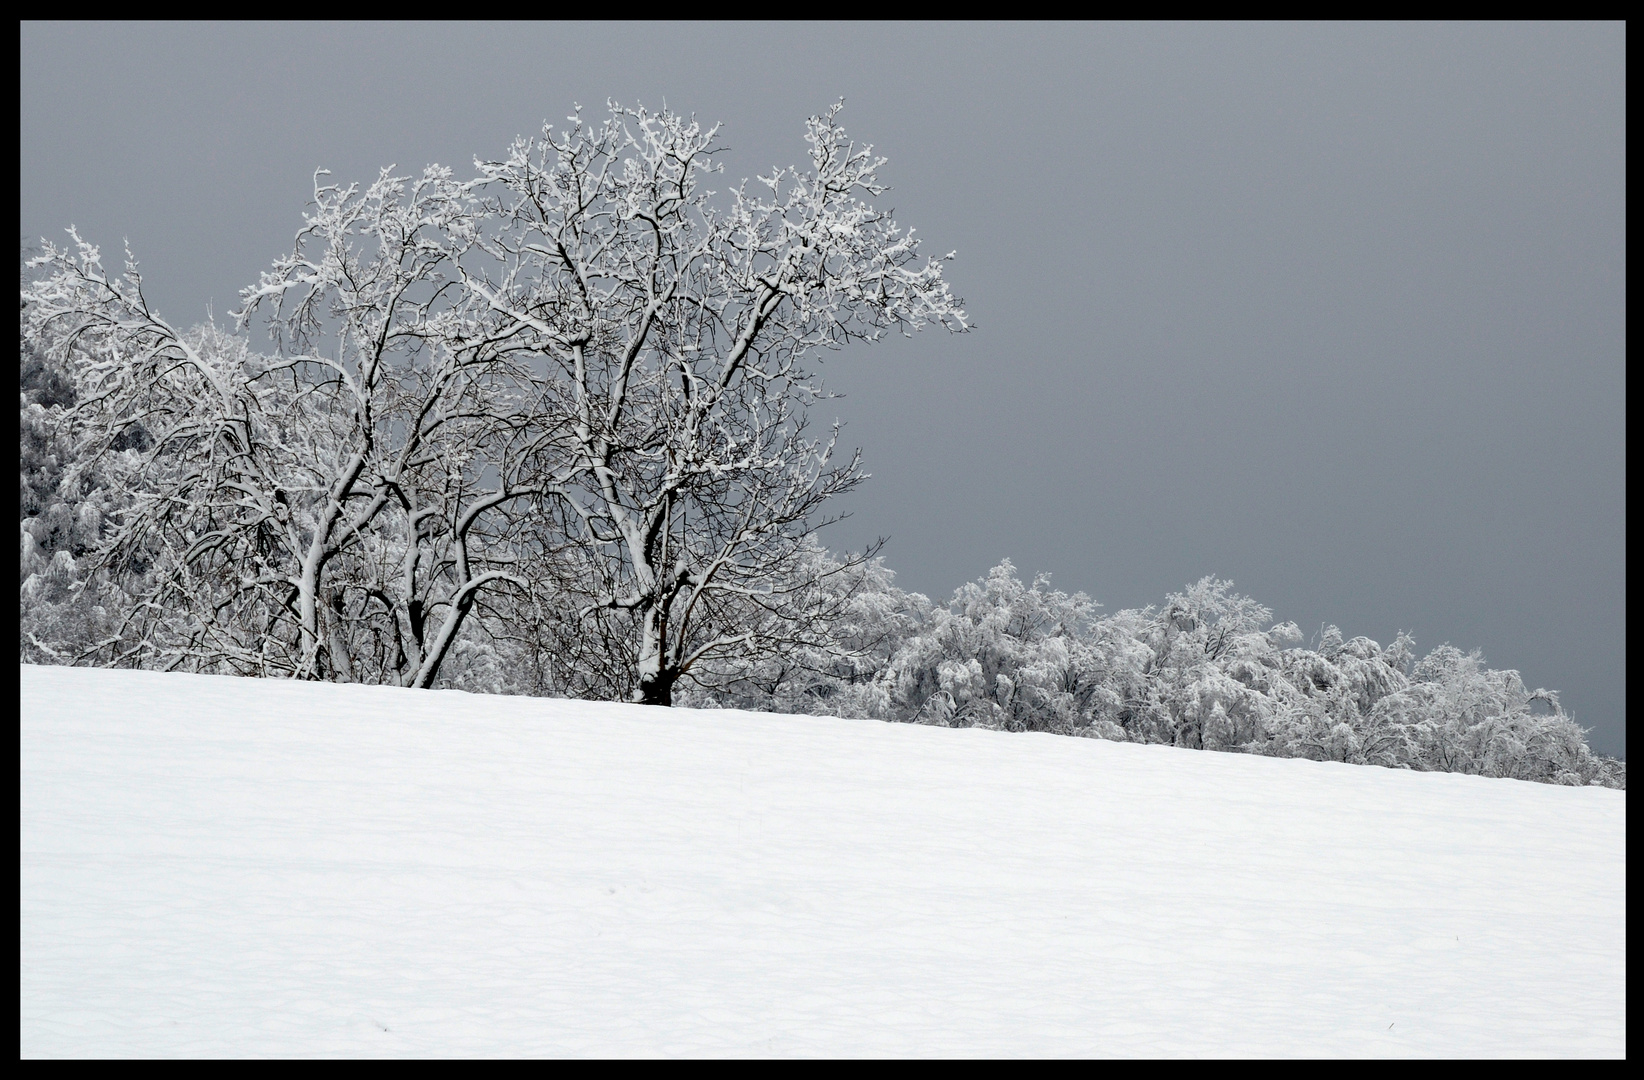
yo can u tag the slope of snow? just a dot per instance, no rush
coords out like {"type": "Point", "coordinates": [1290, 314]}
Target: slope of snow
{"type": "Point", "coordinates": [217, 866]}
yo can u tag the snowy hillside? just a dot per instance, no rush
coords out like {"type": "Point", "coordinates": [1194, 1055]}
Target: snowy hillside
{"type": "Point", "coordinates": [216, 866]}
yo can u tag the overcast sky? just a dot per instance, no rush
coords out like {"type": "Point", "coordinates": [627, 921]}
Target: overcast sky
{"type": "Point", "coordinates": [1336, 312]}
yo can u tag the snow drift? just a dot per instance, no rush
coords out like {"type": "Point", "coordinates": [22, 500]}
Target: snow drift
{"type": "Point", "coordinates": [217, 866]}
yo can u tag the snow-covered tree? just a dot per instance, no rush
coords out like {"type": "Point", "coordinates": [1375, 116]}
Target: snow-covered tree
{"type": "Point", "coordinates": [64, 508]}
{"type": "Point", "coordinates": [868, 620]}
{"type": "Point", "coordinates": [325, 512]}
{"type": "Point", "coordinates": [677, 334]}
{"type": "Point", "coordinates": [569, 394]}
{"type": "Point", "coordinates": [1000, 654]}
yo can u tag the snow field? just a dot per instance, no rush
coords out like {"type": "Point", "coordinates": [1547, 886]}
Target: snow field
{"type": "Point", "coordinates": [217, 866]}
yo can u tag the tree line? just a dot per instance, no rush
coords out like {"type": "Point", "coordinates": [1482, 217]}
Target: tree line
{"type": "Point", "coordinates": [1207, 669]}
{"type": "Point", "coordinates": [545, 430]}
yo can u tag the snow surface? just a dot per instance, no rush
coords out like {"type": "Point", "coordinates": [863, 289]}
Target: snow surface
{"type": "Point", "coordinates": [217, 866]}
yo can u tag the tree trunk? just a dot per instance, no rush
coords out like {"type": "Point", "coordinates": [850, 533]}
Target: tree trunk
{"type": "Point", "coordinates": [656, 688]}
{"type": "Point", "coordinates": [656, 681]}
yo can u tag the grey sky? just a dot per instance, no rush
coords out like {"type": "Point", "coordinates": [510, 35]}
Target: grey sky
{"type": "Point", "coordinates": [1335, 311]}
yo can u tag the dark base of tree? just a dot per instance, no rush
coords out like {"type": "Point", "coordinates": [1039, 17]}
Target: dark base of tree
{"type": "Point", "coordinates": [658, 691]}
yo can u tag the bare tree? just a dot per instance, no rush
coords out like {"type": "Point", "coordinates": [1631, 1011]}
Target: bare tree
{"type": "Point", "coordinates": [675, 335]}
